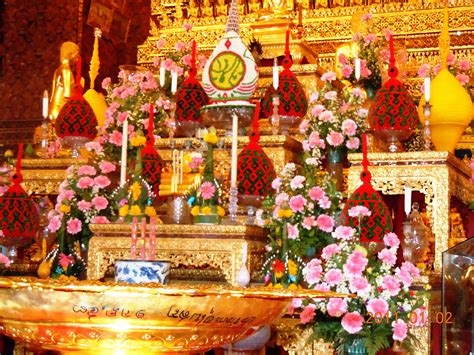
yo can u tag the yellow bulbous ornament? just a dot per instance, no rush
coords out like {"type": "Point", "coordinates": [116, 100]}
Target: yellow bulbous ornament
{"type": "Point", "coordinates": [98, 105]}
{"type": "Point", "coordinates": [44, 269]}
{"type": "Point", "coordinates": [451, 111]}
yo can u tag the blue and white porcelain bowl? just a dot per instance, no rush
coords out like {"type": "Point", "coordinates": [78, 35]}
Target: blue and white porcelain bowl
{"type": "Point", "coordinates": [142, 271]}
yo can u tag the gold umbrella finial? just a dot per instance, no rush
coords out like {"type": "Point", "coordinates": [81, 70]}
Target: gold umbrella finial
{"type": "Point", "coordinates": [95, 62]}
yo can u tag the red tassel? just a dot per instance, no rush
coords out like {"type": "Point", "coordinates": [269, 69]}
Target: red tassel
{"type": "Point", "coordinates": [151, 138]}
{"type": "Point", "coordinates": [193, 69]}
{"type": "Point", "coordinates": [255, 126]}
{"type": "Point", "coordinates": [392, 70]}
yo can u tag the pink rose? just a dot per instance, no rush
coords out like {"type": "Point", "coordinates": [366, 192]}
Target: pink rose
{"type": "Point", "coordinates": [54, 224]}
{"type": "Point", "coordinates": [330, 250]}
{"type": "Point", "coordinates": [102, 181]}
{"type": "Point", "coordinates": [337, 307]}
{"type": "Point", "coordinates": [352, 322]}
{"type": "Point", "coordinates": [317, 110]}
{"type": "Point", "coordinates": [346, 71]}
{"type": "Point", "coordinates": [391, 240]}
{"type": "Point", "coordinates": [85, 182]}
{"type": "Point", "coordinates": [307, 314]}
{"type": "Point", "coordinates": [387, 257]}
{"type": "Point", "coordinates": [86, 170]}
{"type": "Point", "coordinates": [207, 190]}
{"type": "Point", "coordinates": [297, 182]}
{"type": "Point", "coordinates": [297, 203]}
{"type": "Point", "coordinates": [316, 193]}
{"type": "Point", "coordinates": [276, 183]}
{"type": "Point", "coordinates": [333, 277]}
{"type": "Point", "coordinates": [391, 284]}
{"type": "Point", "coordinates": [309, 222]}
{"type": "Point", "coordinates": [355, 263]}
{"type": "Point", "coordinates": [100, 203]}
{"type": "Point", "coordinates": [116, 138]}
{"type": "Point", "coordinates": [329, 76]}
{"type": "Point", "coordinates": [344, 233]}
{"type": "Point", "coordinates": [325, 223]}
{"type": "Point", "coordinates": [353, 143]}
{"type": "Point", "coordinates": [312, 271]}
{"type": "Point", "coordinates": [335, 138]}
{"type": "Point", "coordinates": [106, 167]}
{"type": "Point", "coordinates": [377, 305]}
{"type": "Point", "coordinates": [349, 127]}
{"type": "Point", "coordinates": [84, 205]}
{"type": "Point", "coordinates": [74, 226]}
{"type": "Point", "coordinates": [293, 232]}
{"type": "Point", "coordinates": [360, 285]}
{"type": "Point", "coordinates": [400, 330]}
{"type": "Point", "coordinates": [100, 220]}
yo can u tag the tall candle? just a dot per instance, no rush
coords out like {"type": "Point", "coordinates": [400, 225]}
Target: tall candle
{"type": "Point", "coordinates": [151, 255]}
{"type": "Point", "coordinates": [233, 166]}
{"type": "Point", "coordinates": [162, 75]}
{"type": "Point", "coordinates": [143, 239]}
{"type": "Point", "coordinates": [133, 248]}
{"type": "Point", "coordinates": [275, 74]}
{"type": "Point", "coordinates": [357, 68]}
{"type": "Point", "coordinates": [244, 253]}
{"type": "Point", "coordinates": [123, 162]}
{"type": "Point", "coordinates": [181, 159]}
{"type": "Point", "coordinates": [427, 90]}
{"type": "Point", "coordinates": [45, 104]}
{"type": "Point", "coordinates": [407, 200]}
{"type": "Point", "coordinates": [174, 81]}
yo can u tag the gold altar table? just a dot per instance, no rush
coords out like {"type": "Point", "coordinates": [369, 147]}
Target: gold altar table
{"type": "Point", "coordinates": [438, 175]}
{"type": "Point", "coordinates": [196, 252]}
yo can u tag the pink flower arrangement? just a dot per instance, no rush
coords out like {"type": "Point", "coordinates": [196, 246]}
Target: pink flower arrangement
{"type": "Point", "coordinates": [207, 190]}
{"type": "Point", "coordinates": [337, 119]}
{"type": "Point", "coordinates": [383, 297]}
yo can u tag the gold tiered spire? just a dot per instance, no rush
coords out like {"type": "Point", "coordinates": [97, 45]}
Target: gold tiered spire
{"type": "Point", "coordinates": [444, 39]}
{"type": "Point", "coordinates": [233, 18]}
{"type": "Point", "coordinates": [95, 62]}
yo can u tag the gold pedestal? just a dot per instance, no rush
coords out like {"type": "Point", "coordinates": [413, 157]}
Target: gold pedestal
{"type": "Point", "coordinates": [196, 252]}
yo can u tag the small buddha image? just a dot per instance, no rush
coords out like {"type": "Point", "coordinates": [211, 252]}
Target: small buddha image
{"type": "Point", "coordinates": [254, 6]}
{"type": "Point", "coordinates": [221, 8]}
{"type": "Point", "coordinates": [63, 79]}
{"type": "Point", "coordinates": [456, 228]}
{"type": "Point", "coordinates": [193, 10]}
{"type": "Point", "coordinates": [207, 9]}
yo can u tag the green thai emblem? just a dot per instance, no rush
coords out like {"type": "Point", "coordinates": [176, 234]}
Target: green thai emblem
{"type": "Point", "coordinates": [226, 71]}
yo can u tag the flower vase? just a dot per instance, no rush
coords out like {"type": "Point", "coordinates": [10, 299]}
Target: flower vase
{"type": "Point", "coordinates": [203, 217]}
{"type": "Point", "coordinates": [357, 347]}
{"type": "Point", "coordinates": [335, 166]}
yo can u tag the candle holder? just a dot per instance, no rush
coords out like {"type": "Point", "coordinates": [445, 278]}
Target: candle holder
{"type": "Point", "coordinates": [44, 138]}
{"type": "Point", "coordinates": [427, 129]}
{"type": "Point", "coordinates": [172, 120]}
{"type": "Point", "coordinates": [233, 207]}
{"type": "Point", "coordinates": [275, 119]}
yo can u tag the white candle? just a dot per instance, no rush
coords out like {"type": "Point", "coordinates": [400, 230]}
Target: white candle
{"type": "Point", "coordinates": [407, 200]}
{"type": "Point", "coordinates": [275, 74]}
{"type": "Point", "coordinates": [427, 89]}
{"type": "Point", "coordinates": [123, 162]}
{"type": "Point", "coordinates": [162, 75]}
{"type": "Point", "coordinates": [357, 68]}
{"type": "Point", "coordinates": [244, 253]}
{"type": "Point", "coordinates": [174, 81]}
{"type": "Point", "coordinates": [45, 104]}
{"type": "Point", "coordinates": [233, 167]}
{"type": "Point", "coordinates": [181, 159]}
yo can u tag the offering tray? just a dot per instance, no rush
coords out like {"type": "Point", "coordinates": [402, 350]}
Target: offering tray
{"type": "Point", "coordinates": [96, 317]}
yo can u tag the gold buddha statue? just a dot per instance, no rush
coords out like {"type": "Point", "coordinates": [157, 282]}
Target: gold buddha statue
{"type": "Point", "coordinates": [63, 80]}
{"type": "Point", "coordinates": [193, 11]}
{"type": "Point", "coordinates": [207, 9]}
{"type": "Point", "coordinates": [221, 8]}
{"type": "Point", "coordinates": [277, 9]}
{"type": "Point", "coordinates": [254, 6]}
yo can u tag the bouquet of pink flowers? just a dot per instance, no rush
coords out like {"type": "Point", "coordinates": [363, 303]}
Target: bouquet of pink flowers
{"type": "Point", "coordinates": [300, 218]}
{"type": "Point", "coordinates": [384, 307]}
{"type": "Point", "coordinates": [337, 119]}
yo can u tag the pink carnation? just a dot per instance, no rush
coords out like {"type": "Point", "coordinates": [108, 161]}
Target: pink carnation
{"type": "Point", "coordinates": [160, 43]}
{"type": "Point", "coordinates": [335, 138]}
{"type": "Point", "coordinates": [86, 170]}
{"type": "Point", "coordinates": [281, 197]}
{"type": "Point", "coordinates": [324, 202]}
{"type": "Point", "coordinates": [102, 181]}
{"type": "Point", "coordinates": [293, 232]}
{"type": "Point", "coordinates": [54, 224]}
{"type": "Point", "coordinates": [359, 210]}
{"type": "Point", "coordinates": [307, 314]}
{"type": "Point", "coordinates": [352, 322]}
{"type": "Point", "coordinates": [329, 76]}
{"type": "Point", "coordinates": [4, 260]}
{"type": "Point", "coordinates": [74, 226]}
{"type": "Point", "coordinates": [180, 46]}
{"type": "Point", "coordinates": [312, 271]}
{"type": "Point", "coordinates": [355, 263]}
{"type": "Point", "coordinates": [100, 203]}
{"type": "Point", "coordinates": [85, 182]}
{"type": "Point", "coordinates": [436, 69]}
{"type": "Point", "coordinates": [317, 110]}
{"type": "Point", "coordinates": [116, 138]}
{"type": "Point", "coordinates": [297, 203]}
{"type": "Point", "coordinates": [391, 240]}
{"type": "Point", "coordinates": [122, 116]}
{"type": "Point", "coordinates": [346, 71]}
{"type": "Point", "coordinates": [344, 233]}
{"type": "Point", "coordinates": [325, 223]}
{"type": "Point", "coordinates": [353, 143]}
{"type": "Point", "coordinates": [187, 59]}
{"type": "Point", "coordinates": [342, 59]}
{"type": "Point", "coordinates": [377, 305]}
{"type": "Point", "coordinates": [297, 182]}
{"type": "Point", "coordinates": [349, 127]}
{"type": "Point", "coordinates": [337, 307]}
{"type": "Point", "coordinates": [370, 38]}
{"type": "Point", "coordinates": [276, 183]}
{"type": "Point", "coordinates": [360, 285]}
{"type": "Point", "coordinates": [330, 95]}
{"type": "Point", "coordinates": [424, 70]}
{"type": "Point", "coordinates": [304, 125]}
{"type": "Point", "coordinates": [387, 257]}
{"type": "Point", "coordinates": [309, 222]}
{"type": "Point", "coordinates": [314, 97]}
{"type": "Point", "coordinates": [106, 167]}
{"type": "Point", "coordinates": [100, 220]}
{"type": "Point", "coordinates": [330, 250]}
{"type": "Point", "coordinates": [84, 205]}
{"type": "Point", "coordinates": [462, 78]}
{"type": "Point", "coordinates": [207, 190]}
{"type": "Point", "coordinates": [316, 193]}
{"type": "Point", "coordinates": [400, 329]}
{"type": "Point", "coordinates": [323, 287]}
{"type": "Point", "coordinates": [187, 26]}
{"type": "Point", "coordinates": [451, 59]}
{"type": "Point", "coordinates": [391, 284]}
{"type": "Point", "coordinates": [366, 17]}
{"type": "Point", "coordinates": [314, 140]}
{"type": "Point", "coordinates": [333, 277]}
{"type": "Point", "coordinates": [106, 83]}
{"type": "Point", "coordinates": [464, 65]}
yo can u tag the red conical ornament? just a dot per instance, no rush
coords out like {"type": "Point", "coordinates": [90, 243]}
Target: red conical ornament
{"type": "Point", "coordinates": [152, 163]}
{"type": "Point", "coordinates": [255, 171]}
{"type": "Point", "coordinates": [374, 227]}
{"type": "Point", "coordinates": [18, 216]}
{"type": "Point", "coordinates": [76, 118]}
{"type": "Point", "coordinates": [292, 96]}
{"type": "Point", "coordinates": [190, 97]}
{"type": "Point", "coordinates": [393, 114]}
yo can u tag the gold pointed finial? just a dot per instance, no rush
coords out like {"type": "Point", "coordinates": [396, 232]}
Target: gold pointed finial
{"type": "Point", "coordinates": [95, 62]}
{"type": "Point", "coordinates": [444, 39]}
